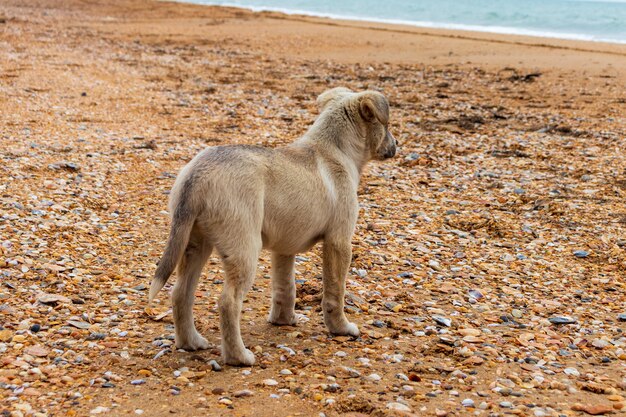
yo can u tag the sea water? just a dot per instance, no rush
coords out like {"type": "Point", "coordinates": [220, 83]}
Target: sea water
{"type": "Point", "coordinates": [591, 20]}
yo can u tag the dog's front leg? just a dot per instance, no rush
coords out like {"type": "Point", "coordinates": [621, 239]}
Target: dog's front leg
{"type": "Point", "coordinates": [337, 256]}
{"type": "Point", "coordinates": [283, 290]}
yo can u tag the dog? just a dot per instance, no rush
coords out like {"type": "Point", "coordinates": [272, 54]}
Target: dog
{"type": "Point", "coordinates": [239, 199]}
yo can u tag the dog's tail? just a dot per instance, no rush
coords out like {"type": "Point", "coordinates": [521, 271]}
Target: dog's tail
{"type": "Point", "coordinates": [183, 220]}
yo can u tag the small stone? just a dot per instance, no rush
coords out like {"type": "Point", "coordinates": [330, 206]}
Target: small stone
{"type": "Point", "coordinates": [517, 313]}
{"type": "Point", "coordinates": [506, 404]}
{"type": "Point", "coordinates": [600, 343]}
{"type": "Point", "coordinates": [37, 350]}
{"type": "Point", "coordinates": [468, 402]}
{"type": "Point", "coordinates": [571, 371]}
{"type": "Point", "coordinates": [444, 321]}
{"type": "Point", "coordinates": [243, 393]}
{"type": "Point", "coordinates": [581, 254]}
{"type": "Point", "coordinates": [562, 320]}
{"type": "Point", "coordinates": [476, 294]}
{"type": "Point", "coordinates": [469, 332]}
{"type": "Point", "coordinates": [218, 391]}
{"type": "Point", "coordinates": [472, 339]}
{"type": "Point", "coordinates": [138, 382]}
{"type": "Point", "coordinates": [6, 335]}
{"type": "Point", "coordinates": [286, 372]}
{"type": "Point", "coordinates": [35, 328]}
{"type": "Point", "coordinates": [395, 406]}
{"type": "Point", "coordinates": [374, 377]}
{"type": "Point", "coordinates": [270, 382]}
{"type": "Point", "coordinates": [99, 410]}
{"type": "Point", "coordinates": [341, 354]}
{"type": "Point", "coordinates": [52, 299]}
{"type": "Point", "coordinates": [332, 388]}
{"type": "Point", "coordinates": [79, 324]}
{"type": "Point", "coordinates": [225, 401]}
{"type": "Point", "coordinates": [161, 353]}
{"type": "Point", "coordinates": [214, 365]}
{"type": "Point", "coordinates": [594, 410]}
{"type": "Point", "coordinates": [440, 413]}
{"type": "Point", "coordinates": [621, 317]}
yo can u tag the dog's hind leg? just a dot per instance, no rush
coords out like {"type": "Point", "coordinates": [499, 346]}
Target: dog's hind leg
{"type": "Point", "coordinates": [189, 271]}
{"type": "Point", "coordinates": [283, 290]}
{"type": "Point", "coordinates": [240, 269]}
{"type": "Point", "coordinates": [337, 256]}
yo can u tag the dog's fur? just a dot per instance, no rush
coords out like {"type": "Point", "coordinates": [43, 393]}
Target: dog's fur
{"type": "Point", "coordinates": [239, 199]}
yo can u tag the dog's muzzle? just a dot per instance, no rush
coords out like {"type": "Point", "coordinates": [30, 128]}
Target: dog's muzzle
{"type": "Point", "coordinates": [390, 150]}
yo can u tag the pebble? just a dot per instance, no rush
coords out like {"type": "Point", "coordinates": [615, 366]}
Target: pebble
{"type": "Point", "coordinates": [270, 382]}
{"type": "Point", "coordinates": [581, 254]}
{"type": "Point", "coordinates": [79, 324]}
{"type": "Point", "coordinates": [243, 393]}
{"type": "Point", "coordinates": [600, 343]}
{"type": "Point", "coordinates": [374, 377]}
{"type": "Point", "coordinates": [138, 382]}
{"type": "Point", "coordinates": [594, 410]}
{"type": "Point", "coordinates": [214, 365]}
{"type": "Point", "coordinates": [161, 353]}
{"type": "Point", "coordinates": [506, 404]}
{"type": "Point", "coordinates": [468, 402]}
{"type": "Point", "coordinates": [562, 320]}
{"type": "Point", "coordinates": [444, 321]}
{"type": "Point", "coordinates": [37, 350]}
{"type": "Point", "coordinates": [621, 317]}
{"type": "Point", "coordinates": [6, 335]}
{"type": "Point", "coordinates": [469, 332]}
{"type": "Point", "coordinates": [571, 371]}
{"type": "Point", "coordinates": [395, 406]}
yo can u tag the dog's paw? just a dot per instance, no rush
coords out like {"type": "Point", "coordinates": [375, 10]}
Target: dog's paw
{"type": "Point", "coordinates": [293, 320]}
{"type": "Point", "coordinates": [245, 358]}
{"type": "Point", "coordinates": [349, 329]}
{"type": "Point", "coordinates": [192, 342]}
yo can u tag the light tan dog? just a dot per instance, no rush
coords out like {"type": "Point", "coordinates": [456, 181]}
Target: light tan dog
{"type": "Point", "coordinates": [239, 199]}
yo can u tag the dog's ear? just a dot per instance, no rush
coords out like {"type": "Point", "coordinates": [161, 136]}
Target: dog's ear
{"type": "Point", "coordinates": [374, 106]}
{"type": "Point", "coordinates": [331, 95]}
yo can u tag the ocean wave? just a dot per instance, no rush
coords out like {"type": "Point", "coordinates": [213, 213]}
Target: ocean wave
{"type": "Point", "coordinates": [426, 24]}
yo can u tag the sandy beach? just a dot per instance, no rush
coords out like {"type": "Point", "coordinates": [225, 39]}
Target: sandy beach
{"type": "Point", "coordinates": [489, 260]}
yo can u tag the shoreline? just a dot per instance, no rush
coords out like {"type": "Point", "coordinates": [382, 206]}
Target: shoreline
{"type": "Point", "coordinates": [460, 27]}
{"type": "Point", "coordinates": [349, 41]}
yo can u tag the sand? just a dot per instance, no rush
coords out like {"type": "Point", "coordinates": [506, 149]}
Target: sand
{"type": "Point", "coordinates": [503, 212]}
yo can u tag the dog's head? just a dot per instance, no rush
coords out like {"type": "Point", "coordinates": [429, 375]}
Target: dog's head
{"type": "Point", "coordinates": [369, 112]}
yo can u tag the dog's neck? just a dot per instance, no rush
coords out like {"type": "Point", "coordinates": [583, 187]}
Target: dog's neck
{"type": "Point", "coordinates": [335, 130]}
